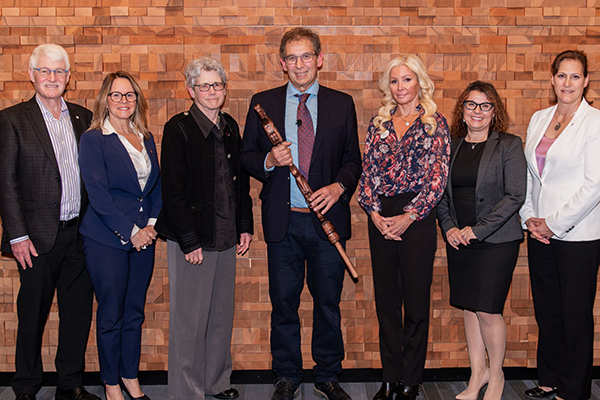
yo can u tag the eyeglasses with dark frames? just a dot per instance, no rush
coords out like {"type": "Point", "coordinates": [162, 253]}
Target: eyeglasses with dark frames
{"type": "Point", "coordinates": [306, 58]}
{"type": "Point", "coordinates": [471, 105]}
{"type": "Point", "coordinates": [45, 72]}
{"type": "Point", "coordinates": [205, 87]}
{"type": "Point", "coordinates": [117, 97]}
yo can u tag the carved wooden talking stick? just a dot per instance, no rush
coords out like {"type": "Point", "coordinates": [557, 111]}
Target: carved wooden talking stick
{"type": "Point", "coordinates": [332, 235]}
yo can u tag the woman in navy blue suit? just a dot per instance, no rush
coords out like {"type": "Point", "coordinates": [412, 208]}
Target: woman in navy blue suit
{"type": "Point", "coordinates": [120, 171]}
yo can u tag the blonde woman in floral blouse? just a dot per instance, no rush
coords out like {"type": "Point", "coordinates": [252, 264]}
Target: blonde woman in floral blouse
{"type": "Point", "coordinates": [405, 170]}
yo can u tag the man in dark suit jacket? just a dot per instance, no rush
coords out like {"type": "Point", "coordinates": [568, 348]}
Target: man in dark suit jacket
{"type": "Point", "coordinates": [293, 235]}
{"type": "Point", "coordinates": [40, 205]}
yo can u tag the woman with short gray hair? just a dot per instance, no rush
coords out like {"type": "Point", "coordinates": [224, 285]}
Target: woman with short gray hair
{"type": "Point", "coordinates": [207, 219]}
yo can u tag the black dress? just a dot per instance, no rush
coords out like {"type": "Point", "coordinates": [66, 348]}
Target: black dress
{"type": "Point", "coordinates": [479, 273]}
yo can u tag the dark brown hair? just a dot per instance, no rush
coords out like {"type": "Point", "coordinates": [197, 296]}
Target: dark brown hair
{"type": "Point", "coordinates": [500, 121]}
{"type": "Point", "coordinates": [300, 33]}
{"type": "Point", "coordinates": [576, 55]}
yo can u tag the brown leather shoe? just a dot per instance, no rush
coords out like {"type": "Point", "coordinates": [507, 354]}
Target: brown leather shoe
{"type": "Point", "coordinates": [331, 391]}
{"type": "Point", "coordinates": [285, 389]}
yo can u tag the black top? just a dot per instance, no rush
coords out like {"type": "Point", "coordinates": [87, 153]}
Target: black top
{"type": "Point", "coordinates": [464, 181]}
{"type": "Point", "coordinates": [225, 236]}
{"type": "Point", "coordinates": [189, 182]}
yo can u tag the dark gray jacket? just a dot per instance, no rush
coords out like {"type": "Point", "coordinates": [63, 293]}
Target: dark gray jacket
{"type": "Point", "coordinates": [29, 175]}
{"type": "Point", "coordinates": [500, 190]}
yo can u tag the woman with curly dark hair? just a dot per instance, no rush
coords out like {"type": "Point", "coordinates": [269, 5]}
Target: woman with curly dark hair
{"type": "Point", "coordinates": [479, 217]}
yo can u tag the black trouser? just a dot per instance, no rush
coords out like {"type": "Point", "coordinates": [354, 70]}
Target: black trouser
{"type": "Point", "coordinates": [63, 269]}
{"type": "Point", "coordinates": [402, 273]}
{"type": "Point", "coordinates": [563, 284]}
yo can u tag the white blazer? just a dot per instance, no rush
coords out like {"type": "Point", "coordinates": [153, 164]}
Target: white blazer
{"type": "Point", "coordinates": [568, 191]}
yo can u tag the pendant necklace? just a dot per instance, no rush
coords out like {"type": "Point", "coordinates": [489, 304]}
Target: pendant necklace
{"type": "Point", "coordinates": [559, 124]}
{"type": "Point", "coordinates": [407, 123]}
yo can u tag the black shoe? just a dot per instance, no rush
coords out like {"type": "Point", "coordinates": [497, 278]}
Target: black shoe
{"type": "Point", "coordinates": [230, 393]}
{"type": "Point", "coordinates": [539, 393]}
{"type": "Point", "coordinates": [285, 389]}
{"type": "Point", "coordinates": [387, 391]}
{"type": "Point", "coordinates": [75, 394]}
{"type": "Point", "coordinates": [124, 388]}
{"type": "Point", "coordinates": [404, 392]}
{"type": "Point", "coordinates": [143, 397]}
{"type": "Point", "coordinates": [26, 396]}
{"type": "Point", "coordinates": [331, 391]}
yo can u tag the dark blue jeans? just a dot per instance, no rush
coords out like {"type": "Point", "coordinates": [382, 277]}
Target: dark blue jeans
{"type": "Point", "coordinates": [324, 276]}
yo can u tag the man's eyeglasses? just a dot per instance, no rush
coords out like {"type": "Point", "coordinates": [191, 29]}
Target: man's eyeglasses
{"type": "Point", "coordinates": [130, 97]}
{"type": "Point", "coordinates": [45, 72]}
{"type": "Point", "coordinates": [306, 58]}
{"type": "Point", "coordinates": [205, 87]}
{"type": "Point", "coordinates": [471, 105]}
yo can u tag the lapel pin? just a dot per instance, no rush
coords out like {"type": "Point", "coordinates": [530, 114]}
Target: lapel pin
{"type": "Point", "coordinates": [77, 116]}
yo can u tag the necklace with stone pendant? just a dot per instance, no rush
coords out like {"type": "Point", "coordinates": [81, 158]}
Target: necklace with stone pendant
{"type": "Point", "coordinates": [559, 124]}
{"type": "Point", "coordinates": [407, 123]}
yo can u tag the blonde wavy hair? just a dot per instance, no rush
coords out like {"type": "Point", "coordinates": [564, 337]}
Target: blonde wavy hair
{"type": "Point", "coordinates": [426, 89]}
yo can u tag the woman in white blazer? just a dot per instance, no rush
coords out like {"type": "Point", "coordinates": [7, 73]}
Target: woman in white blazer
{"type": "Point", "coordinates": [562, 216]}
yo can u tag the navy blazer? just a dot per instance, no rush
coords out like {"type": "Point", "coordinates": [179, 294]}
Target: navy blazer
{"type": "Point", "coordinates": [335, 158]}
{"type": "Point", "coordinates": [499, 192]}
{"type": "Point", "coordinates": [114, 192]}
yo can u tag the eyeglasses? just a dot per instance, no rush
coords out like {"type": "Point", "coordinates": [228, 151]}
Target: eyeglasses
{"type": "Point", "coordinates": [306, 58]}
{"type": "Point", "coordinates": [130, 97]}
{"type": "Point", "coordinates": [471, 105]}
{"type": "Point", "coordinates": [205, 87]}
{"type": "Point", "coordinates": [45, 72]}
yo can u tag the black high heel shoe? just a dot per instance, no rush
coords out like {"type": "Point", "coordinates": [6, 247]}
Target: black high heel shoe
{"type": "Point", "coordinates": [122, 384]}
{"type": "Point", "coordinates": [386, 392]}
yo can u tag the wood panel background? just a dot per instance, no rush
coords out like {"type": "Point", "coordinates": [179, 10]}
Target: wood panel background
{"type": "Point", "coordinates": [507, 42]}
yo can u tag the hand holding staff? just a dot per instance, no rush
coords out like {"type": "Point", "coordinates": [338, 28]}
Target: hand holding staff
{"type": "Point", "coordinates": [332, 235]}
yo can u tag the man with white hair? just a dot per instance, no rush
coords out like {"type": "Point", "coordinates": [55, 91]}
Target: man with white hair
{"type": "Point", "coordinates": [41, 202]}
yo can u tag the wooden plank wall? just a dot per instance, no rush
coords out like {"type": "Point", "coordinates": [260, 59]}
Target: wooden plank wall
{"type": "Point", "coordinates": [507, 42]}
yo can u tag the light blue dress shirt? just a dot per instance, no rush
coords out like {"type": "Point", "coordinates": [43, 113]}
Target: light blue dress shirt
{"type": "Point", "coordinates": [291, 132]}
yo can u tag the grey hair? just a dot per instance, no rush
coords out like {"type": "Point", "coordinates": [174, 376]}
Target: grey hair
{"type": "Point", "coordinates": [52, 52]}
{"type": "Point", "coordinates": [195, 67]}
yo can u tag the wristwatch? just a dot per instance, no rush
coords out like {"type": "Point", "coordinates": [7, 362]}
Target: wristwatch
{"type": "Point", "coordinates": [412, 216]}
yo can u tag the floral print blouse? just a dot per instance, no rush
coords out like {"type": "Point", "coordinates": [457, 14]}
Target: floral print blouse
{"type": "Point", "coordinates": [417, 163]}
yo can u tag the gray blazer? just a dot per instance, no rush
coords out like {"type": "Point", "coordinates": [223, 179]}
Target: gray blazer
{"type": "Point", "coordinates": [29, 176]}
{"type": "Point", "coordinates": [500, 190]}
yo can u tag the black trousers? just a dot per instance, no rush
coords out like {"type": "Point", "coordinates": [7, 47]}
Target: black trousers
{"type": "Point", "coordinates": [62, 269]}
{"type": "Point", "coordinates": [563, 284]}
{"type": "Point", "coordinates": [402, 274]}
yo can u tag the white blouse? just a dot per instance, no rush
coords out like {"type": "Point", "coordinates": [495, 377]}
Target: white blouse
{"type": "Point", "coordinates": [141, 161]}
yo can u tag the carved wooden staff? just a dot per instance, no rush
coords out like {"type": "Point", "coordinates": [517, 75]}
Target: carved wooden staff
{"type": "Point", "coordinates": [332, 235]}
